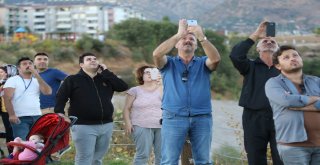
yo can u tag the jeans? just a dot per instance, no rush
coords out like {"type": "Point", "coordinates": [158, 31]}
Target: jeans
{"type": "Point", "coordinates": [258, 128]}
{"type": "Point", "coordinates": [145, 139]}
{"type": "Point", "coordinates": [22, 129]}
{"type": "Point", "coordinates": [299, 155]}
{"type": "Point", "coordinates": [173, 135]}
{"type": "Point", "coordinates": [91, 142]}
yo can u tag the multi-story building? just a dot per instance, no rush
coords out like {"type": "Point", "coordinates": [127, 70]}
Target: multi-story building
{"type": "Point", "coordinates": [3, 12]}
{"type": "Point", "coordinates": [76, 19]}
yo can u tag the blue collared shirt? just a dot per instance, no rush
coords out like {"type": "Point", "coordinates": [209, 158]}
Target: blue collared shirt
{"type": "Point", "coordinates": [189, 98]}
{"type": "Point", "coordinates": [53, 77]}
{"type": "Point", "coordinates": [282, 94]}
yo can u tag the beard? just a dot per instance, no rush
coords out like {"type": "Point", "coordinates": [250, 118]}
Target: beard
{"type": "Point", "coordinates": [293, 70]}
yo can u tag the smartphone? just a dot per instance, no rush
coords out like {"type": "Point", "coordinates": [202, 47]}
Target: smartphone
{"type": "Point", "coordinates": [192, 22]}
{"type": "Point", "coordinates": [99, 68]}
{"type": "Point", "coordinates": [271, 29]}
{"type": "Point", "coordinates": [154, 73]}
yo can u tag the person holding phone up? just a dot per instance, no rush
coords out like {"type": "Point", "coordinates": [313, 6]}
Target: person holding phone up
{"type": "Point", "coordinates": [257, 117]}
{"type": "Point", "coordinates": [186, 102]}
{"type": "Point", "coordinates": [142, 113]}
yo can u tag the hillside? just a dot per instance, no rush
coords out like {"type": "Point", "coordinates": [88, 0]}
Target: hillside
{"type": "Point", "coordinates": [291, 16]}
{"type": "Point", "coordinates": [236, 15]}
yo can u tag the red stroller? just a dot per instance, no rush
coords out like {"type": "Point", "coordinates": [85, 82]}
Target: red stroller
{"type": "Point", "coordinates": [55, 131]}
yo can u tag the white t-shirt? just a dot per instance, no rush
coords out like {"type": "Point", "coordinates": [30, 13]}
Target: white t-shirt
{"type": "Point", "coordinates": [25, 100]}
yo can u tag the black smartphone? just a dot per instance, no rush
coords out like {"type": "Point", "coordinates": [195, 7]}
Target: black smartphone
{"type": "Point", "coordinates": [271, 29]}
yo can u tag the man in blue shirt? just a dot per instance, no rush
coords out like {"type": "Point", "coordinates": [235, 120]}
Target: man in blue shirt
{"type": "Point", "coordinates": [53, 77]}
{"type": "Point", "coordinates": [295, 101]}
{"type": "Point", "coordinates": [186, 100]}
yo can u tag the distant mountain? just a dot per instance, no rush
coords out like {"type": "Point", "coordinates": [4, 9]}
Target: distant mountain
{"type": "Point", "coordinates": [237, 15]}
{"type": "Point", "coordinates": [291, 16]}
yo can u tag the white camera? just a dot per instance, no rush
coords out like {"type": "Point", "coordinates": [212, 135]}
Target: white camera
{"type": "Point", "coordinates": [154, 72]}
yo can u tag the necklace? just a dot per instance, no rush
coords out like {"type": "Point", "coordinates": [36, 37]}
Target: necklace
{"type": "Point", "coordinates": [26, 86]}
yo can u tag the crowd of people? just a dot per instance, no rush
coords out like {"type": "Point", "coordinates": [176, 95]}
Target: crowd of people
{"type": "Point", "coordinates": [173, 101]}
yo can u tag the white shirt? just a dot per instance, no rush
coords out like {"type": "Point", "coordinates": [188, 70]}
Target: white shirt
{"type": "Point", "coordinates": [25, 99]}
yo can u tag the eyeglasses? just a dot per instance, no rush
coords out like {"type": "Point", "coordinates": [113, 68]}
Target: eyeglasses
{"type": "Point", "coordinates": [184, 76]}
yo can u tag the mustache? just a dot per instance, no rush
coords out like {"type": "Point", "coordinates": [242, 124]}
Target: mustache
{"type": "Point", "coordinates": [188, 43]}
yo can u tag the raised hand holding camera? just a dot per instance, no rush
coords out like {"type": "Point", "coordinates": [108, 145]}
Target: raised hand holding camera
{"type": "Point", "coordinates": [182, 30]}
{"type": "Point", "coordinates": [154, 73]}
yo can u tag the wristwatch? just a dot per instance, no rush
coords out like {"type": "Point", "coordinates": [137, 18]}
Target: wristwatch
{"type": "Point", "coordinates": [204, 39]}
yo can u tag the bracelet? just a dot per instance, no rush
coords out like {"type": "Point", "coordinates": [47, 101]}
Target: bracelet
{"type": "Point", "coordinates": [204, 39]}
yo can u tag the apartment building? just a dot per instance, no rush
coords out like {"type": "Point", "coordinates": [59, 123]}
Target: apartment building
{"type": "Point", "coordinates": [71, 19]}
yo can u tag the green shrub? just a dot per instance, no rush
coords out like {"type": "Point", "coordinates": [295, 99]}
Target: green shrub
{"type": "Point", "coordinates": [88, 44]}
{"type": "Point", "coordinates": [64, 54]}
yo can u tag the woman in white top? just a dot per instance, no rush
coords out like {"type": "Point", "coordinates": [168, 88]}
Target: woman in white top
{"type": "Point", "coordinates": [142, 114]}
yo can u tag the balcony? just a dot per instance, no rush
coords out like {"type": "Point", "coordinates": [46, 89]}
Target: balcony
{"type": "Point", "coordinates": [64, 13]}
{"type": "Point", "coordinates": [39, 26]}
{"type": "Point", "coordinates": [39, 14]}
{"type": "Point", "coordinates": [64, 26]}
{"type": "Point", "coordinates": [39, 20]}
{"type": "Point", "coordinates": [63, 19]}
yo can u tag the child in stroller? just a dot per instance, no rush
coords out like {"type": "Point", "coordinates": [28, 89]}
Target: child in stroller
{"type": "Point", "coordinates": [35, 141]}
{"type": "Point", "coordinates": [55, 131]}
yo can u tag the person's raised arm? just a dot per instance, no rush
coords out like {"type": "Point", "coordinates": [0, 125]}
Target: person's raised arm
{"type": "Point", "coordinates": [239, 52]}
{"type": "Point", "coordinates": [209, 49]}
{"type": "Point", "coordinates": [260, 32]}
{"type": "Point", "coordinates": [165, 47]}
{"type": "Point", "coordinates": [44, 87]}
{"type": "Point", "coordinates": [117, 83]}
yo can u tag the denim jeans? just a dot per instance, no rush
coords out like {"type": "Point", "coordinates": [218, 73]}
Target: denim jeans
{"type": "Point", "coordinates": [173, 135]}
{"type": "Point", "coordinates": [145, 139]}
{"type": "Point", "coordinates": [91, 142]}
{"type": "Point", "coordinates": [299, 155]}
{"type": "Point", "coordinates": [22, 129]}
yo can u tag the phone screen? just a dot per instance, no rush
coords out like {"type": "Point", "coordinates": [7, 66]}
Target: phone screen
{"type": "Point", "coordinates": [271, 29]}
{"type": "Point", "coordinates": [192, 22]}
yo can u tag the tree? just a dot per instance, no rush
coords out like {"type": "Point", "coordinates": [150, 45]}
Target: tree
{"type": "Point", "coordinates": [317, 30]}
{"type": "Point", "coordinates": [309, 67]}
{"type": "Point", "coordinates": [2, 30]}
{"type": "Point", "coordinates": [142, 36]}
{"type": "Point", "coordinates": [87, 43]}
